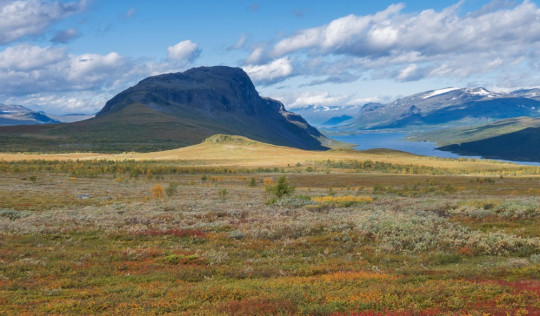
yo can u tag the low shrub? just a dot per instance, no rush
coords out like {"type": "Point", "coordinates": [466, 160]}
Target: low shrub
{"type": "Point", "coordinates": [342, 201]}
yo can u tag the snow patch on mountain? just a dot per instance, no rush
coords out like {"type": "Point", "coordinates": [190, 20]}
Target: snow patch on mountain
{"type": "Point", "coordinates": [437, 92]}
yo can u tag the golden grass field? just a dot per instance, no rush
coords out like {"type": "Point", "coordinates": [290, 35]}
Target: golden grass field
{"type": "Point", "coordinates": [243, 152]}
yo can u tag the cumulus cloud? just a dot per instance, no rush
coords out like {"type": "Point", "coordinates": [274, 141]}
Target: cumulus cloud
{"type": "Point", "coordinates": [27, 69]}
{"type": "Point", "coordinates": [269, 73]}
{"type": "Point", "coordinates": [183, 52]}
{"type": "Point", "coordinates": [325, 98]}
{"type": "Point", "coordinates": [22, 18]}
{"type": "Point", "coordinates": [66, 36]}
{"type": "Point", "coordinates": [412, 46]}
{"type": "Point", "coordinates": [63, 82]}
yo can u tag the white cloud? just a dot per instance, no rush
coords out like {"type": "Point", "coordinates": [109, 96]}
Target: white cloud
{"type": "Point", "coordinates": [184, 52]}
{"type": "Point", "coordinates": [314, 97]}
{"type": "Point", "coordinates": [24, 57]}
{"type": "Point", "coordinates": [413, 46]}
{"type": "Point", "coordinates": [411, 72]}
{"type": "Point", "coordinates": [277, 69]}
{"type": "Point", "coordinates": [63, 82]}
{"type": "Point", "coordinates": [317, 98]}
{"type": "Point", "coordinates": [22, 18]}
{"type": "Point", "coordinates": [255, 56]}
{"type": "Point", "coordinates": [239, 43]}
{"type": "Point", "coordinates": [26, 69]}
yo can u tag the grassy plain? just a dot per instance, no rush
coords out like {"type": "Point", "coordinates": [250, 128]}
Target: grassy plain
{"type": "Point", "coordinates": [369, 233]}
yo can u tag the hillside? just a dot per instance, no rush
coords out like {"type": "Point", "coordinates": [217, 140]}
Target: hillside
{"type": "Point", "coordinates": [468, 134]}
{"type": "Point", "coordinates": [171, 111]}
{"type": "Point", "coordinates": [523, 145]}
{"type": "Point", "coordinates": [238, 151]}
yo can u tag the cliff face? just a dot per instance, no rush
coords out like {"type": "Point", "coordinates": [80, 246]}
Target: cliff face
{"type": "Point", "coordinates": [218, 100]}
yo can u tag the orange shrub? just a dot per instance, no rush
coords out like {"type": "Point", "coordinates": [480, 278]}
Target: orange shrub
{"type": "Point", "coordinates": [158, 192]}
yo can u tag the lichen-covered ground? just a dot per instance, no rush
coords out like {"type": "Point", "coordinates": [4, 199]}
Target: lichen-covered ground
{"type": "Point", "coordinates": [346, 241]}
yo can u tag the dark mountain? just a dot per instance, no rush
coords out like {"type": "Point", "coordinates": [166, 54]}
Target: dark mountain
{"type": "Point", "coordinates": [20, 115]}
{"type": "Point", "coordinates": [445, 107]}
{"type": "Point", "coordinates": [523, 145]}
{"type": "Point", "coordinates": [463, 134]}
{"type": "Point", "coordinates": [175, 110]}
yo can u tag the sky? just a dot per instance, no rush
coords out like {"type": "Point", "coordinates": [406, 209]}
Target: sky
{"type": "Point", "coordinates": [71, 56]}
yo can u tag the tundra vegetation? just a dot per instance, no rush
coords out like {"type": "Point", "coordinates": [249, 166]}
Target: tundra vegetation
{"type": "Point", "coordinates": [338, 236]}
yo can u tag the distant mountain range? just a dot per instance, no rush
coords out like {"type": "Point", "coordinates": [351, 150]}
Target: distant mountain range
{"type": "Point", "coordinates": [325, 115]}
{"type": "Point", "coordinates": [449, 107]}
{"type": "Point", "coordinates": [171, 111]}
{"type": "Point", "coordinates": [20, 115]}
{"type": "Point", "coordinates": [467, 121]}
{"type": "Point", "coordinates": [436, 108]}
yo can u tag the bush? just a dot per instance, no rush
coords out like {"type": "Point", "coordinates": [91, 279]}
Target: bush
{"type": "Point", "coordinates": [223, 194]}
{"type": "Point", "coordinates": [171, 189]}
{"type": "Point", "coordinates": [158, 192]}
{"type": "Point", "coordinates": [252, 182]}
{"type": "Point", "coordinates": [281, 188]}
{"type": "Point", "coordinates": [343, 201]}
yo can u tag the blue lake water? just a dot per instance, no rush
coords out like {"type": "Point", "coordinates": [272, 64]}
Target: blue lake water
{"type": "Point", "coordinates": [396, 141]}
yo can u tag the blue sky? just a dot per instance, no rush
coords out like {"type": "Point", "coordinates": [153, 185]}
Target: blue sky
{"type": "Point", "coordinates": [72, 56]}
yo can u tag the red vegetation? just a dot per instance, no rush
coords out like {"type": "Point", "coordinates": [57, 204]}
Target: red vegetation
{"type": "Point", "coordinates": [176, 232]}
{"type": "Point", "coordinates": [258, 306]}
{"type": "Point", "coordinates": [426, 312]}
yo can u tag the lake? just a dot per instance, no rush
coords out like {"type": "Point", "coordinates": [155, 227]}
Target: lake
{"type": "Point", "coordinates": [396, 141]}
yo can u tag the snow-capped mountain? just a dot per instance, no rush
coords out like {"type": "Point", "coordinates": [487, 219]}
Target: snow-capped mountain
{"type": "Point", "coordinates": [320, 114]}
{"type": "Point", "coordinates": [445, 106]}
{"type": "Point", "coordinates": [19, 115]}
{"type": "Point", "coordinates": [527, 93]}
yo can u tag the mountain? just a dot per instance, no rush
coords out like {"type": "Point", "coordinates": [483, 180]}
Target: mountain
{"type": "Point", "coordinates": [459, 135]}
{"type": "Point", "coordinates": [527, 93]}
{"type": "Point", "coordinates": [19, 115]}
{"type": "Point", "coordinates": [523, 145]}
{"type": "Point", "coordinates": [319, 114]}
{"type": "Point", "coordinates": [175, 110]}
{"type": "Point", "coordinates": [449, 106]}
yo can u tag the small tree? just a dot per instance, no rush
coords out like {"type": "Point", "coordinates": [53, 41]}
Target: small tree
{"type": "Point", "coordinates": [282, 187]}
{"type": "Point", "coordinates": [252, 182]}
